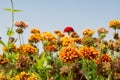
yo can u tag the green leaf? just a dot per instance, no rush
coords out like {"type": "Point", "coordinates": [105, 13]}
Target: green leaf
{"type": "Point", "coordinates": [12, 10]}
{"type": "Point", "coordinates": [44, 63]}
{"type": "Point", "coordinates": [10, 32]}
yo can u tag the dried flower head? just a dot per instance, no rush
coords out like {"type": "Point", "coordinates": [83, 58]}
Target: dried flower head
{"type": "Point", "coordinates": [116, 64]}
{"type": "Point", "coordinates": [64, 70]}
{"type": "Point", "coordinates": [103, 58]}
{"type": "Point", "coordinates": [23, 63]}
{"type": "Point", "coordinates": [21, 24]}
{"type": "Point", "coordinates": [104, 69]}
{"type": "Point", "coordinates": [102, 30]}
{"type": "Point", "coordinates": [3, 60]}
{"type": "Point", "coordinates": [19, 31]}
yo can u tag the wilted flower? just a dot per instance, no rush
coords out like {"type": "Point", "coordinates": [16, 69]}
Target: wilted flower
{"type": "Point", "coordinates": [104, 69]}
{"type": "Point", "coordinates": [87, 32]}
{"type": "Point", "coordinates": [116, 64]}
{"type": "Point", "coordinates": [103, 58]}
{"type": "Point", "coordinates": [3, 60]}
{"type": "Point", "coordinates": [23, 63]}
{"type": "Point", "coordinates": [116, 35]}
{"type": "Point", "coordinates": [21, 24]}
{"type": "Point", "coordinates": [19, 31]}
{"type": "Point", "coordinates": [116, 75]}
{"type": "Point", "coordinates": [69, 54]}
{"type": "Point", "coordinates": [102, 30]}
{"type": "Point", "coordinates": [64, 70]}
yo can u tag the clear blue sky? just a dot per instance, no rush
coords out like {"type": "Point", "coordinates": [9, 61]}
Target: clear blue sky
{"type": "Point", "coordinates": [50, 15]}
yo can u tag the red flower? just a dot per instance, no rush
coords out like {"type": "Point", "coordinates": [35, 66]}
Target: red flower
{"type": "Point", "coordinates": [68, 29]}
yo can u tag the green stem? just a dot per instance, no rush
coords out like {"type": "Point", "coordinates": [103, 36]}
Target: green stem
{"type": "Point", "coordinates": [20, 40]}
{"type": "Point", "coordinates": [12, 14]}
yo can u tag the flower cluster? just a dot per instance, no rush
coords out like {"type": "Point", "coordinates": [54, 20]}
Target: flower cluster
{"type": "Point", "coordinates": [69, 54]}
{"type": "Point", "coordinates": [63, 56]}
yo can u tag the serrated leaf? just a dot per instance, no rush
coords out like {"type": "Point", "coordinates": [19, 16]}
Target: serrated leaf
{"type": "Point", "coordinates": [12, 10]}
{"type": "Point", "coordinates": [10, 32]}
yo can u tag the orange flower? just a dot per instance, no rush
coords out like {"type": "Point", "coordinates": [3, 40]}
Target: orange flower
{"type": "Point", "coordinates": [35, 38]}
{"type": "Point", "coordinates": [34, 31]}
{"type": "Point", "coordinates": [48, 36]}
{"type": "Point", "coordinates": [103, 58]}
{"type": "Point", "coordinates": [88, 52]}
{"type": "Point", "coordinates": [59, 33]}
{"type": "Point", "coordinates": [115, 24]}
{"type": "Point", "coordinates": [26, 48]}
{"type": "Point", "coordinates": [88, 32]}
{"type": "Point", "coordinates": [67, 41]}
{"type": "Point", "coordinates": [77, 40]}
{"type": "Point", "coordinates": [74, 35]}
{"type": "Point", "coordinates": [25, 76]}
{"type": "Point", "coordinates": [50, 48]}
{"type": "Point", "coordinates": [69, 54]}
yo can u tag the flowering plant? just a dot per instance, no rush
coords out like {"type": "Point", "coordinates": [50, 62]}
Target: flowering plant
{"type": "Point", "coordinates": [64, 57]}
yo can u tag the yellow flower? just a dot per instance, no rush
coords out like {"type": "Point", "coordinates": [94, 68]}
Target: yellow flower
{"type": "Point", "coordinates": [25, 76]}
{"type": "Point", "coordinates": [115, 24]}
{"type": "Point", "coordinates": [26, 48]}
{"type": "Point", "coordinates": [35, 38]}
{"type": "Point", "coordinates": [47, 36]}
{"type": "Point", "coordinates": [87, 32]}
{"type": "Point", "coordinates": [69, 54]}
{"type": "Point", "coordinates": [67, 41]}
{"type": "Point", "coordinates": [34, 31]}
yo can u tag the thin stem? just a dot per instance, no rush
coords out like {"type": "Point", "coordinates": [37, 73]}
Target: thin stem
{"type": "Point", "coordinates": [12, 14]}
{"type": "Point", "coordinates": [20, 40]}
